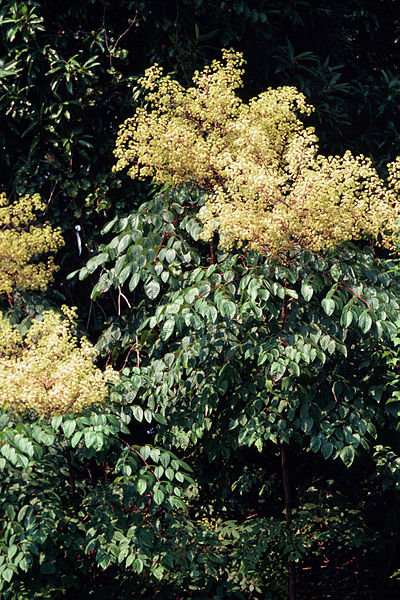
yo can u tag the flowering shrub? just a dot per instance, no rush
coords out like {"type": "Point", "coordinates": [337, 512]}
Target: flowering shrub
{"type": "Point", "coordinates": [268, 188]}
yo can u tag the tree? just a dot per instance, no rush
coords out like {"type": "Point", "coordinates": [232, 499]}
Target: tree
{"type": "Point", "coordinates": [239, 349]}
{"type": "Point", "coordinates": [246, 367]}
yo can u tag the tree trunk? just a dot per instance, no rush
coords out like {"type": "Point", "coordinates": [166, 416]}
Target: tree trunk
{"type": "Point", "coordinates": [288, 512]}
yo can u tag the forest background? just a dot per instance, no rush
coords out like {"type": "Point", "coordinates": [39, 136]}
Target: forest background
{"type": "Point", "coordinates": [263, 460]}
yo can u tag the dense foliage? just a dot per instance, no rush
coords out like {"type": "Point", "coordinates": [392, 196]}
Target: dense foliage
{"type": "Point", "coordinates": [249, 447]}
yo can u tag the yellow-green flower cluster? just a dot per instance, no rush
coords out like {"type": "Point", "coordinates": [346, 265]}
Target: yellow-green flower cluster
{"type": "Point", "coordinates": [48, 371]}
{"type": "Point", "coordinates": [269, 189]}
{"type": "Point", "coordinates": [21, 241]}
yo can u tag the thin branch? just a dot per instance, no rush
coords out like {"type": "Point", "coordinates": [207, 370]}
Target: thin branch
{"type": "Point", "coordinates": [112, 50]}
{"type": "Point", "coordinates": [90, 313]}
{"type": "Point", "coordinates": [135, 345]}
{"type": "Point", "coordinates": [121, 295]}
{"type": "Point", "coordinates": [357, 296]}
{"type": "Point", "coordinates": [138, 453]}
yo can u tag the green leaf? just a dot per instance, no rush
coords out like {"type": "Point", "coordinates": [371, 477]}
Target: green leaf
{"type": "Point", "coordinates": [7, 574]}
{"type": "Point", "coordinates": [9, 511]}
{"type": "Point", "coordinates": [365, 321]}
{"type": "Point", "coordinates": [76, 438]}
{"type": "Point", "coordinates": [346, 318]}
{"type": "Point", "coordinates": [83, 273]}
{"type": "Point", "coordinates": [56, 421]}
{"type": "Point", "coordinates": [191, 295]}
{"type": "Point", "coordinates": [159, 471]}
{"type": "Point", "coordinates": [165, 459]}
{"type": "Point", "coordinates": [328, 305]}
{"type": "Point", "coordinates": [169, 473]}
{"type": "Point", "coordinates": [307, 424]}
{"type": "Point", "coordinates": [211, 314]}
{"type": "Point", "coordinates": [124, 243]}
{"type": "Point", "coordinates": [342, 348]}
{"type": "Point", "coordinates": [347, 455]}
{"type": "Point", "coordinates": [155, 454]}
{"type": "Point", "coordinates": [227, 309]}
{"type": "Point", "coordinates": [22, 513]}
{"type": "Point", "coordinates": [335, 272]}
{"type": "Point", "coordinates": [277, 370]}
{"type": "Point", "coordinates": [104, 561]}
{"type": "Point", "coordinates": [315, 443]}
{"type": "Point", "coordinates": [160, 418]}
{"type": "Point", "coordinates": [152, 289]}
{"type": "Point", "coordinates": [170, 255]}
{"type": "Point", "coordinates": [141, 486]}
{"type": "Point", "coordinates": [46, 438]}
{"type": "Point", "coordinates": [95, 262]}
{"type": "Point", "coordinates": [331, 347]}
{"type": "Point", "coordinates": [90, 438]}
{"type": "Point", "coordinates": [145, 452]}
{"type": "Point", "coordinates": [123, 276]}
{"type": "Point", "coordinates": [129, 560]}
{"type": "Point", "coordinates": [109, 226]}
{"type": "Point", "coordinates": [68, 427]}
{"type": "Point", "coordinates": [158, 496]}
{"type": "Point", "coordinates": [324, 341]}
{"type": "Point", "coordinates": [178, 503]}
{"type": "Point", "coordinates": [134, 281]}
{"type": "Point", "coordinates": [138, 413]}
{"type": "Point", "coordinates": [168, 329]}
{"type": "Point", "coordinates": [307, 291]}
{"type": "Point", "coordinates": [326, 449]}
{"type": "Point", "coordinates": [98, 444]}
{"type": "Point", "coordinates": [137, 565]}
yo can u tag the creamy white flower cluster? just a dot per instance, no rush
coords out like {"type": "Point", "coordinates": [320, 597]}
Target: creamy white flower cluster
{"type": "Point", "coordinates": [49, 371]}
{"type": "Point", "coordinates": [269, 189]}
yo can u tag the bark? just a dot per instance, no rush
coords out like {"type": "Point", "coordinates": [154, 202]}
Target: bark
{"type": "Point", "coordinates": [288, 512]}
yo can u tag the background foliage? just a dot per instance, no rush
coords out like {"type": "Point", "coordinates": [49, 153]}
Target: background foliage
{"type": "Point", "coordinates": [164, 491]}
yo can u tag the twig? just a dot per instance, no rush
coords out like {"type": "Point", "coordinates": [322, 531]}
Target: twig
{"type": "Point", "coordinates": [89, 315]}
{"type": "Point", "coordinates": [138, 453]}
{"type": "Point", "coordinates": [109, 50]}
{"type": "Point", "coordinates": [119, 300]}
{"type": "Point", "coordinates": [357, 296]}
{"type": "Point", "coordinates": [135, 345]}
